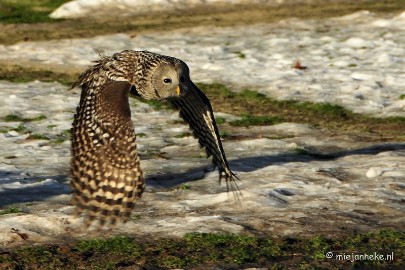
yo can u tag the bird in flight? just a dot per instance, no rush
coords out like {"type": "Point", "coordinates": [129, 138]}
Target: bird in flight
{"type": "Point", "coordinates": [105, 169]}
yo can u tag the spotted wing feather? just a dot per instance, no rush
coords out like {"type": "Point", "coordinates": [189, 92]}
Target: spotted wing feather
{"type": "Point", "coordinates": [105, 171]}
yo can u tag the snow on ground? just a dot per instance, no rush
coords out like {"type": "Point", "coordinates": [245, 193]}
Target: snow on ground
{"type": "Point", "coordinates": [355, 61]}
{"type": "Point", "coordinates": [357, 186]}
{"type": "Point", "coordinates": [82, 8]}
{"type": "Point", "coordinates": [360, 187]}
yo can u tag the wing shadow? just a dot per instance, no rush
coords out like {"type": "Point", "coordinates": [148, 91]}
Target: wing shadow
{"type": "Point", "coordinates": [16, 189]}
{"type": "Point", "coordinates": [249, 164]}
{"type": "Point", "coordinates": [10, 193]}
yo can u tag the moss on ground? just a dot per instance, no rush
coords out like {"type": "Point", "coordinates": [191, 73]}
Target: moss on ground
{"type": "Point", "coordinates": [228, 251]}
{"type": "Point", "coordinates": [18, 118]}
{"type": "Point", "coordinates": [28, 11]}
{"type": "Point", "coordinates": [10, 210]}
{"type": "Point", "coordinates": [21, 128]}
{"type": "Point", "coordinates": [20, 74]}
{"type": "Point", "coordinates": [37, 136]}
{"type": "Point", "coordinates": [253, 120]}
{"type": "Point", "coordinates": [258, 109]}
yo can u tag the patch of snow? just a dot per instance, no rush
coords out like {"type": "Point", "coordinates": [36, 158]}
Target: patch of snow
{"type": "Point", "coordinates": [82, 8]}
{"type": "Point", "coordinates": [355, 42]}
{"type": "Point", "coordinates": [374, 172]}
{"type": "Point", "coordinates": [356, 65]}
{"type": "Point", "coordinates": [284, 190]}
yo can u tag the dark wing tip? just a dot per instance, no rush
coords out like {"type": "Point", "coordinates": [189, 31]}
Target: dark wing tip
{"type": "Point", "coordinates": [231, 185]}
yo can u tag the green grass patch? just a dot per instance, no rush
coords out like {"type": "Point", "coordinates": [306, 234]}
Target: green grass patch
{"type": "Point", "coordinates": [260, 103]}
{"type": "Point", "coordinates": [21, 128]}
{"type": "Point", "coordinates": [140, 135]}
{"type": "Point", "coordinates": [252, 120]}
{"type": "Point", "coordinates": [10, 210]}
{"type": "Point", "coordinates": [301, 151]}
{"type": "Point", "coordinates": [184, 134]}
{"type": "Point", "coordinates": [19, 74]}
{"type": "Point", "coordinates": [27, 11]}
{"type": "Point", "coordinates": [119, 244]}
{"type": "Point", "coordinates": [220, 120]}
{"type": "Point", "coordinates": [224, 134]}
{"type": "Point", "coordinates": [61, 137]}
{"type": "Point", "coordinates": [37, 136]}
{"type": "Point", "coordinates": [326, 109]}
{"type": "Point", "coordinates": [216, 250]}
{"type": "Point", "coordinates": [58, 141]}
{"type": "Point", "coordinates": [200, 155]}
{"type": "Point", "coordinates": [18, 118]}
{"type": "Point", "coordinates": [394, 119]}
{"type": "Point", "coordinates": [241, 55]}
{"type": "Point", "coordinates": [12, 118]}
{"type": "Point", "coordinates": [183, 187]}
{"type": "Point", "coordinates": [253, 95]}
{"type": "Point", "coordinates": [258, 109]}
{"type": "Point", "coordinates": [234, 248]}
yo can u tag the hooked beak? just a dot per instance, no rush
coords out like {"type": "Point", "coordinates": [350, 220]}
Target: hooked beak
{"type": "Point", "coordinates": [178, 90]}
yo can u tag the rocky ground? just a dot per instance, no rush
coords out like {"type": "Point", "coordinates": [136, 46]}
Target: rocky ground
{"type": "Point", "coordinates": [296, 179]}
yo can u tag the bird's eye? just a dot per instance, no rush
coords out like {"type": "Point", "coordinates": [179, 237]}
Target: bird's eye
{"type": "Point", "coordinates": [167, 80]}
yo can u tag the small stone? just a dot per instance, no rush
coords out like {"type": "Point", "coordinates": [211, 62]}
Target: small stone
{"type": "Point", "coordinates": [374, 172]}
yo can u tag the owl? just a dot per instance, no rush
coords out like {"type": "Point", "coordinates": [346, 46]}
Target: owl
{"type": "Point", "coordinates": [106, 176]}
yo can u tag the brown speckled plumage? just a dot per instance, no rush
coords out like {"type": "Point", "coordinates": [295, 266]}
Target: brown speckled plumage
{"type": "Point", "coordinates": [105, 168]}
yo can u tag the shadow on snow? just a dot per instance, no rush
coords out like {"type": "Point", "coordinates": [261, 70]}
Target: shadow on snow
{"type": "Point", "coordinates": [15, 188]}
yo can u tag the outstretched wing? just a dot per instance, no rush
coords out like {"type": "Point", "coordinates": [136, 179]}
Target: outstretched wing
{"type": "Point", "coordinates": [195, 108]}
{"type": "Point", "coordinates": [105, 168]}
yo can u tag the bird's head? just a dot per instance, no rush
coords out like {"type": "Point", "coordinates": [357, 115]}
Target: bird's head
{"type": "Point", "coordinates": [166, 78]}
{"type": "Point", "coordinates": [170, 80]}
